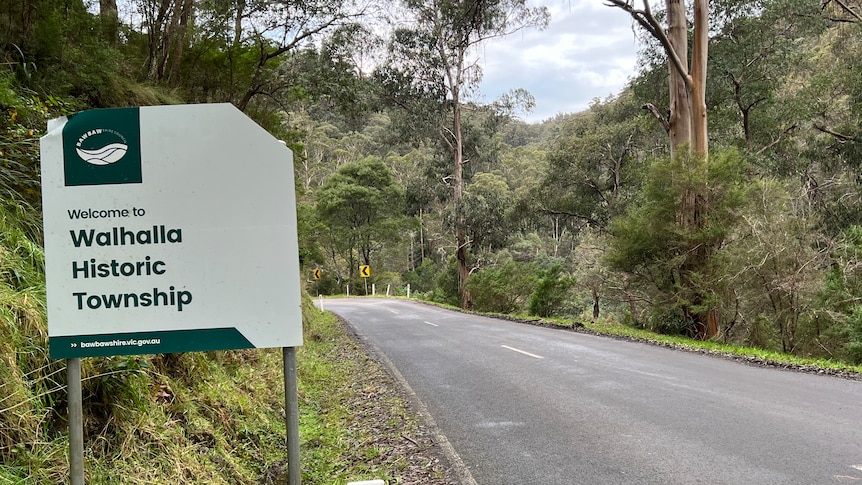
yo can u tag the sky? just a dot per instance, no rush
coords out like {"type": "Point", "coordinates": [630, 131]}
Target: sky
{"type": "Point", "coordinates": [588, 51]}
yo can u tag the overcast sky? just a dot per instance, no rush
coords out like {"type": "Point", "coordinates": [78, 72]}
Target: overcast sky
{"type": "Point", "coordinates": [588, 51]}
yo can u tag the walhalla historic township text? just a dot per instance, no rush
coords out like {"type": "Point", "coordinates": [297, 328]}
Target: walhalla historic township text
{"type": "Point", "coordinates": [93, 268]}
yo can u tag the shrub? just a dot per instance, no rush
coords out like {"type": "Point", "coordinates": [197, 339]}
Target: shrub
{"type": "Point", "coordinates": [504, 289]}
{"type": "Point", "coordinates": [550, 292]}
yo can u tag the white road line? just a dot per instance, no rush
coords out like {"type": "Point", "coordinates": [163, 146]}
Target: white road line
{"type": "Point", "coordinates": [393, 311]}
{"type": "Point", "coordinates": [522, 352]}
{"type": "Point", "coordinates": [432, 324]}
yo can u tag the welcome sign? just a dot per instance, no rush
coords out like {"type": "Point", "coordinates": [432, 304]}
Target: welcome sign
{"type": "Point", "coordinates": [168, 229]}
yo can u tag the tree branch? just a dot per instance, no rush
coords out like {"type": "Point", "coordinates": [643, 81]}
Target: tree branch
{"type": "Point", "coordinates": [661, 119]}
{"type": "Point", "coordinates": [777, 140]}
{"type": "Point", "coordinates": [588, 219]}
{"type": "Point", "coordinates": [840, 136]}
{"type": "Point", "coordinates": [846, 8]}
{"type": "Point", "coordinates": [648, 21]}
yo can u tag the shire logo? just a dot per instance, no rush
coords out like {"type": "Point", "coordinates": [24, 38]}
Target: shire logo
{"type": "Point", "coordinates": [110, 145]}
{"type": "Point", "coordinates": [103, 147]}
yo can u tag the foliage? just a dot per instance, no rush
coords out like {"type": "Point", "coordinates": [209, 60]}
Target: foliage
{"type": "Point", "coordinates": [422, 278]}
{"type": "Point", "coordinates": [838, 330]}
{"type": "Point", "coordinates": [595, 162]}
{"type": "Point", "coordinates": [432, 70]}
{"type": "Point", "coordinates": [551, 291]}
{"type": "Point", "coordinates": [757, 43]}
{"type": "Point", "coordinates": [446, 285]}
{"type": "Point", "coordinates": [775, 265]}
{"type": "Point", "coordinates": [503, 289]}
{"type": "Point", "coordinates": [485, 206]}
{"type": "Point", "coordinates": [361, 205]}
{"type": "Point", "coordinates": [675, 261]}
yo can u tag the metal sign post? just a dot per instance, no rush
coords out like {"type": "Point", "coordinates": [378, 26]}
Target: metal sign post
{"type": "Point", "coordinates": [76, 421]}
{"type": "Point", "coordinates": [291, 413]}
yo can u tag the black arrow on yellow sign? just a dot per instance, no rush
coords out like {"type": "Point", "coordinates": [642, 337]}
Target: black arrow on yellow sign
{"type": "Point", "coordinates": [317, 273]}
{"type": "Point", "coordinates": [364, 270]}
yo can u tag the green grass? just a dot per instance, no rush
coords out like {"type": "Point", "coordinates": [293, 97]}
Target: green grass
{"type": "Point", "coordinates": [760, 355]}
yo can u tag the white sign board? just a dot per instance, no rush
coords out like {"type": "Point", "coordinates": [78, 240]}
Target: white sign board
{"type": "Point", "coordinates": [168, 229]}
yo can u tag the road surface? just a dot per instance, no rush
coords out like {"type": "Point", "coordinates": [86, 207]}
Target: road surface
{"type": "Point", "coordinates": [528, 405]}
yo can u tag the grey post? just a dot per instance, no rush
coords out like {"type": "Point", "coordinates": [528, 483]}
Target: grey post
{"type": "Point", "coordinates": [291, 412]}
{"type": "Point", "coordinates": [76, 421]}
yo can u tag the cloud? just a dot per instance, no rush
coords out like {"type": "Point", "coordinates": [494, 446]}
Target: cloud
{"type": "Point", "coordinates": [588, 51]}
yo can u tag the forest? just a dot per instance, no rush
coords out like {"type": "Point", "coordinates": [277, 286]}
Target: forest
{"type": "Point", "coordinates": [745, 229]}
{"type": "Point", "coordinates": [716, 196]}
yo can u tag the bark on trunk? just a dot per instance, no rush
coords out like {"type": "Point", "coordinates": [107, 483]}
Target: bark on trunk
{"type": "Point", "coordinates": [680, 103]}
{"type": "Point", "coordinates": [181, 40]}
{"type": "Point", "coordinates": [110, 20]}
{"type": "Point", "coordinates": [595, 303]}
{"type": "Point", "coordinates": [458, 181]}
{"type": "Point", "coordinates": [698, 77]}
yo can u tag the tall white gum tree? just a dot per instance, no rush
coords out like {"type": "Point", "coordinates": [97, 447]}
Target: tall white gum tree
{"type": "Point", "coordinates": [687, 122]}
{"type": "Point", "coordinates": [442, 47]}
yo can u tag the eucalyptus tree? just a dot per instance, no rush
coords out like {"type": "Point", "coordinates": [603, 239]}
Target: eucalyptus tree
{"type": "Point", "coordinates": [168, 25]}
{"type": "Point", "coordinates": [486, 204]}
{"type": "Point", "coordinates": [686, 126]}
{"type": "Point", "coordinates": [596, 160]}
{"type": "Point", "coordinates": [653, 245]}
{"type": "Point", "coordinates": [437, 56]}
{"type": "Point", "coordinates": [687, 121]}
{"type": "Point", "coordinates": [109, 16]}
{"type": "Point", "coordinates": [777, 258]}
{"type": "Point", "coordinates": [596, 168]}
{"type": "Point", "coordinates": [362, 207]}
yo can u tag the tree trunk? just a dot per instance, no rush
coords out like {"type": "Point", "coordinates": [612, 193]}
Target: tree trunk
{"type": "Point", "coordinates": [687, 129]}
{"type": "Point", "coordinates": [181, 40]}
{"type": "Point", "coordinates": [698, 78]}
{"type": "Point", "coordinates": [110, 20]}
{"type": "Point", "coordinates": [630, 297]}
{"type": "Point", "coordinates": [156, 19]}
{"type": "Point", "coordinates": [237, 23]}
{"type": "Point", "coordinates": [595, 303]}
{"type": "Point", "coordinates": [680, 102]}
{"type": "Point", "coordinates": [458, 181]}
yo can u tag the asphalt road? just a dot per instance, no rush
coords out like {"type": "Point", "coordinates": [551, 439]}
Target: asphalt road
{"type": "Point", "coordinates": [527, 405]}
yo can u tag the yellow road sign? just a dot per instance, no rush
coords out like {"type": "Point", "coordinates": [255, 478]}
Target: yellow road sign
{"type": "Point", "coordinates": [364, 270]}
{"type": "Point", "coordinates": [317, 273]}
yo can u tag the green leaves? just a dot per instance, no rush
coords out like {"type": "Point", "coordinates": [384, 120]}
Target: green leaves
{"type": "Point", "coordinates": [485, 206]}
{"type": "Point", "coordinates": [671, 255]}
{"type": "Point", "coordinates": [363, 208]}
